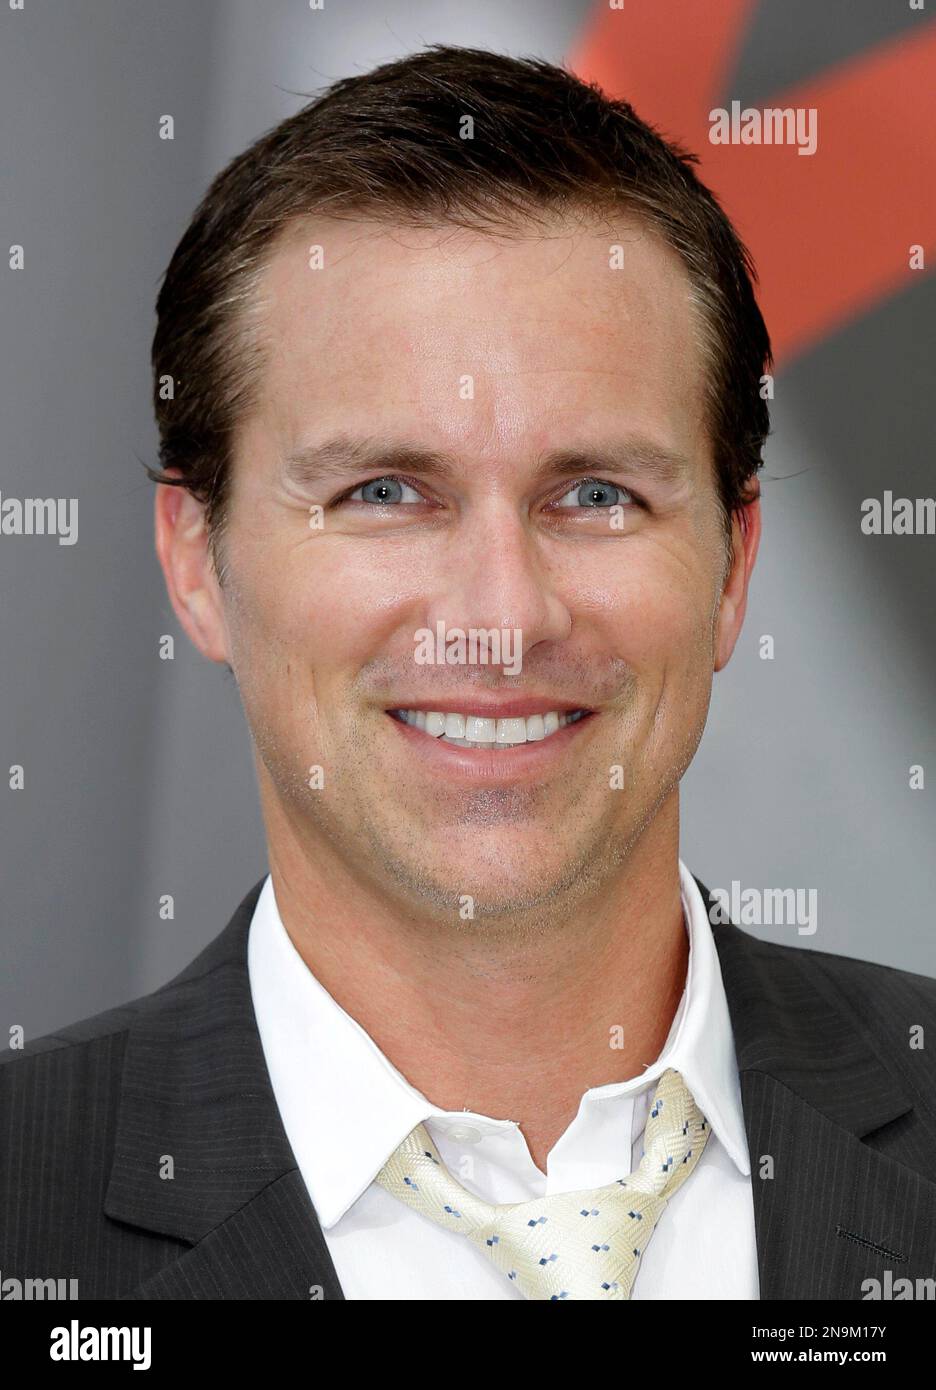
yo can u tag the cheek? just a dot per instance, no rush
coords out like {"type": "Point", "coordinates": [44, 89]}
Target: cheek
{"type": "Point", "coordinates": [342, 613]}
{"type": "Point", "coordinates": [272, 640]}
{"type": "Point", "coordinates": [660, 613]}
{"type": "Point", "coordinates": [305, 625]}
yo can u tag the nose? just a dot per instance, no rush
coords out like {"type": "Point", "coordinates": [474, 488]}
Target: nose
{"type": "Point", "coordinates": [494, 575]}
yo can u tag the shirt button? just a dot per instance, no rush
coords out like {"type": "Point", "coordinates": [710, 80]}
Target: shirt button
{"type": "Point", "coordinates": [464, 1134]}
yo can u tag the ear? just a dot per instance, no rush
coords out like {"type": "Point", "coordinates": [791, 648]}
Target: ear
{"type": "Point", "coordinates": [745, 539]}
{"type": "Point", "coordinates": [191, 582]}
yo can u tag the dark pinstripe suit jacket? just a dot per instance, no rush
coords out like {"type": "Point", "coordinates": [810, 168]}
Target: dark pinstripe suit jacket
{"type": "Point", "coordinates": [832, 1092]}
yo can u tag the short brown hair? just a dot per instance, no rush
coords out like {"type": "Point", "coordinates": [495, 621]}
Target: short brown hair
{"type": "Point", "coordinates": [387, 146]}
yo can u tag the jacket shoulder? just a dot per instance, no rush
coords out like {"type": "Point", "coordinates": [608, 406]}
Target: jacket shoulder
{"type": "Point", "coordinates": [815, 992]}
{"type": "Point", "coordinates": [102, 1031]}
{"type": "Point", "coordinates": [60, 1105]}
{"type": "Point", "coordinates": [863, 980]}
{"type": "Point", "coordinates": [83, 1034]}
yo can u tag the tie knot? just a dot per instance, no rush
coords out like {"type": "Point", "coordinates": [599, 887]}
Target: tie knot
{"type": "Point", "coordinates": [584, 1244]}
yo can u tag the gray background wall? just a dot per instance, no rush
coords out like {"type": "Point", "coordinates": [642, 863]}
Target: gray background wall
{"type": "Point", "coordinates": [138, 775]}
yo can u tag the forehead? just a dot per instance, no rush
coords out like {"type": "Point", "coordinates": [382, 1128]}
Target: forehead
{"type": "Point", "coordinates": [479, 341]}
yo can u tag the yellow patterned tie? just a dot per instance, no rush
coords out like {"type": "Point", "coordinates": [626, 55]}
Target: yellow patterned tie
{"type": "Point", "coordinates": [584, 1244]}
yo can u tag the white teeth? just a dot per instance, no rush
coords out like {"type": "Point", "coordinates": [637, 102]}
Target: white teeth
{"type": "Point", "coordinates": [478, 731]}
{"type": "Point", "coordinates": [511, 731]}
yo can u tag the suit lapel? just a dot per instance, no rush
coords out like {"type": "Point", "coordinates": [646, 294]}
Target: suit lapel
{"type": "Point", "coordinates": [197, 1102]}
{"type": "Point", "coordinates": [836, 1212]}
{"type": "Point", "coordinates": [832, 1206]}
{"type": "Point", "coordinates": [272, 1248]}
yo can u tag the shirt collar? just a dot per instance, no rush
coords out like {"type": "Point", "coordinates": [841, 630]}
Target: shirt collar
{"type": "Point", "coordinates": [346, 1108]}
{"type": "Point", "coordinates": [703, 1050]}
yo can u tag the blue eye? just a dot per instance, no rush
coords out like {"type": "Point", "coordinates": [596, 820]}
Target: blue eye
{"type": "Point", "coordinates": [383, 492]}
{"type": "Point", "coordinates": [593, 493]}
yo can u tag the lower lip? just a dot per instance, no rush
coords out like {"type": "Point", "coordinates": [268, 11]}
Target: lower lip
{"type": "Point", "coordinates": [506, 764]}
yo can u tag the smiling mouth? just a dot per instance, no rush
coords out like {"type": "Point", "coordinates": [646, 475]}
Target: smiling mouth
{"type": "Point", "coordinates": [481, 731]}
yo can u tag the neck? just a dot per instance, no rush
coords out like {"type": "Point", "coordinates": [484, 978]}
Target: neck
{"type": "Point", "coordinates": [513, 1025]}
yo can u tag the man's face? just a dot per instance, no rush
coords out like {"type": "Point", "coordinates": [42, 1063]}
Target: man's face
{"type": "Point", "coordinates": [495, 353]}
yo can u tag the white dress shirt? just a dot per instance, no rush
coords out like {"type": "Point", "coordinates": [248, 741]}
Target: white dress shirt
{"type": "Point", "coordinates": [346, 1108]}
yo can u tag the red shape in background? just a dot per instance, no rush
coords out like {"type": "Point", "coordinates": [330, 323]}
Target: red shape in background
{"type": "Point", "coordinates": [831, 232]}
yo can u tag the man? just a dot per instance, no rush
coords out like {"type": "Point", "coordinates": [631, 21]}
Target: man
{"type": "Point", "coordinates": [458, 385]}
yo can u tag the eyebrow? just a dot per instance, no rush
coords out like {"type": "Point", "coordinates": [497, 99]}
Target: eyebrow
{"type": "Point", "coordinates": [344, 455]}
